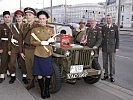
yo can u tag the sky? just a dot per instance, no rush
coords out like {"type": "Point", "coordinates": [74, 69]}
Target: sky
{"type": "Point", "coordinates": [12, 5]}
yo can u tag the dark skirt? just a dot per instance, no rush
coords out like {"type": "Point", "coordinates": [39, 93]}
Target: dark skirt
{"type": "Point", "coordinates": [42, 66]}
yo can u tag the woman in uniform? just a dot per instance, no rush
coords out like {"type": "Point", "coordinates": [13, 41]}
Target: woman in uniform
{"type": "Point", "coordinates": [42, 66]}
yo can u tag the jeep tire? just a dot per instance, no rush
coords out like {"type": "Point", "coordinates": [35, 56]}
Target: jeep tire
{"type": "Point", "coordinates": [55, 79]}
{"type": "Point", "coordinates": [95, 78]}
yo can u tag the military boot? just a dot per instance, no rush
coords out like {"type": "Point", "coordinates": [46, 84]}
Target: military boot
{"type": "Point", "coordinates": [24, 79]}
{"type": "Point", "coordinates": [2, 78]}
{"type": "Point", "coordinates": [41, 85]}
{"type": "Point", "coordinates": [13, 78]}
{"type": "Point", "coordinates": [47, 83]}
{"type": "Point", "coordinates": [31, 84]}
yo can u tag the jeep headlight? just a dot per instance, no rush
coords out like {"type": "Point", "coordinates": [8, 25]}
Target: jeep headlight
{"type": "Point", "coordinates": [67, 53]}
{"type": "Point", "coordinates": [92, 53]}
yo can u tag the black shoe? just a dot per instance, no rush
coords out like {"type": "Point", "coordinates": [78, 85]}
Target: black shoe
{"type": "Point", "coordinates": [13, 78]}
{"type": "Point", "coordinates": [1, 80]}
{"type": "Point", "coordinates": [30, 85]}
{"type": "Point", "coordinates": [24, 79]}
{"type": "Point", "coordinates": [105, 78]}
{"type": "Point", "coordinates": [112, 79]}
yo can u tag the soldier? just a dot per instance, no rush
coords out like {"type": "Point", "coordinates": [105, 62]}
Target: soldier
{"type": "Point", "coordinates": [42, 66]}
{"type": "Point", "coordinates": [110, 45]}
{"type": "Point", "coordinates": [4, 32]}
{"type": "Point", "coordinates": [15, 47]}
{"type": "Point", "coordinates": [94, 39]}
{"type": "Point", "coordinates": [30, 14]}
{"type": "Point", "coordinates": [78, 32]}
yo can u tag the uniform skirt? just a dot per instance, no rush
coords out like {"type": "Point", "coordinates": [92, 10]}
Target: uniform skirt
{"type": "Point", "coordinates": [42, 66]}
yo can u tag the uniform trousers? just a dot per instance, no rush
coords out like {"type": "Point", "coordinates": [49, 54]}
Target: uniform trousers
{"type": "Point", "coordinates": [109, 57]}
{"type": "Point", "coordinates": [12, 63]}
{"type": "Point", "coordinates": [29, 57]}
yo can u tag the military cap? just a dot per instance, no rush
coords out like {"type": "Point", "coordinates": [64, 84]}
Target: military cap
{"type": "Point", "coordinates": [19, 12]}
{"type": "Point", "coordinates": [6, 13]}
{"type": "Point", "coordinates": [81, 22]}
{"type": "Point", "coordinates": [29, 9]}
{"type": "Point", "coordinates": [42, 13]}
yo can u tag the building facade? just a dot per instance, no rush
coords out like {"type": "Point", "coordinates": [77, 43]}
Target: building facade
{"type": "Point", "coordinates": [75, 13]}
{"type": "Point", "coordinates": [126, 12]}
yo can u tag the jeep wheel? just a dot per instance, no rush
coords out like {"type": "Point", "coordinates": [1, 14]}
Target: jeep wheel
{"type": "Point", "coordinates": [55, 80]}
{"type": "Point", "coordinates": [95, 78]}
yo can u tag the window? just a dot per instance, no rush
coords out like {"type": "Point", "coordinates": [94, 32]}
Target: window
{"type": "Point", "coordinates": [122, 18]}
{"type": "Point", "coordinates": [132, 7]}
{"type": "Point", "coordinates": [132, 18]}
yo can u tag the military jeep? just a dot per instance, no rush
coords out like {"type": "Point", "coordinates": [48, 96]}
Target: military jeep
{"type": "Point", "coordinates": [72, 63]}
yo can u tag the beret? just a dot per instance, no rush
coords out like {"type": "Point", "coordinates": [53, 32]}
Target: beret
{"type": "Point", "coordinates": [6, 13]}
{"type": "Point", "coordinates": [19, 12]}
{"type": "Point", "coordinates": [42, 13]}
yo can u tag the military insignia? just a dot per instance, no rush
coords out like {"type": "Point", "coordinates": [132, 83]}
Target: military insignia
{"type": "Point", "coordinates": [112, 30]}
{"type": "Point", "coordinates": [94, 31]}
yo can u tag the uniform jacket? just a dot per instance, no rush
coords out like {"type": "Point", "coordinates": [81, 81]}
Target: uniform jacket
{"type": "Point", "coordinates": [94, 36]}
{"type": "Point", "coordinates": [4, 34]}
{"type": "Point", "coordinates": [78, 33]}
{"type": "Point", "coordinates": [110, 38]}
{"type": "Point", "coordinates": [16, 34]}
{"type": "Point", "coordinates": [43, 33]}
{"type": "Point", "coordinates": [27, 35]}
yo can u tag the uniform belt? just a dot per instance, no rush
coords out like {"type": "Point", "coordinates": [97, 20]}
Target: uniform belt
{"type": "Point", "coordinates": [4, 39]}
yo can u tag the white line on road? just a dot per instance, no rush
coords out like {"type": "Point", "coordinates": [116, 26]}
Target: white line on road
{"type": "Point", "coordinates": [124, 57]}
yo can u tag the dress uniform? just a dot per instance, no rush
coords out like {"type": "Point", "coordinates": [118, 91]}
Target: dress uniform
{"type": "Point", "coordinates": [110, 43]}
{"type": "Point", "coordinates": [4, 33]}
{"type": "Point", "coordinates": [15, 48]}
{"type": "Point", "coordinates": [42, 65]}
{"type": "Point", "coordinates": [78, 32]}
{"type": "Point", "coordinates": [94, 39]}
{"type": "Point", "coordinates": [28, 47]}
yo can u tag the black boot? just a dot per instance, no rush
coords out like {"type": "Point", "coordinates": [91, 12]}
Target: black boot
{"type": "Point", "coordinates": [47, 83]}
{"type": "Point", "coordinates": [1, 80]}
{"type": "Point", "coordinates": [13, 78]}
{"type": "Point", "coordinates": [24, 79]}
{"type": "Point", "coordinates": [31, 84]}
{"type": "Point", "coordinates": [41, 85]}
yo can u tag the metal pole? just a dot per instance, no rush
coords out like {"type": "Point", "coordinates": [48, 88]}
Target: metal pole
{"type": "Point", "coordinates": [43, 4]}
{"type": "Point", "coordinates": [106, 7]}
{"type": "Point", "coordinates": [119, 13]}
{"type": "Point", "coordinates": [51, 10]}
{"type": "Point", "coordinates": [20, 5]}
{"type": "Point", "coordinates": [65, 10]}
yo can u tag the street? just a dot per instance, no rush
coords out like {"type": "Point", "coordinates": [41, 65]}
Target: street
{"type": "Point", "coordinates": [123, 78]}
{"type": "Point", "coordinates": [121, 89]}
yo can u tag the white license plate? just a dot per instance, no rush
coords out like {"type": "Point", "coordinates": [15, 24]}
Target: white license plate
{"type": "Point", "coordinates": [76, 69]}
{"type": "Point", "coordinates": [77, 75]}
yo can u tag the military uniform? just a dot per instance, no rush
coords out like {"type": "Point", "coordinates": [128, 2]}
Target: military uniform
{"type": "Point", "coordinates": [28, 47]}
{"type": "Point", "coordinates": [94, 38]}
{"type": "Point", "coordinates": [110, 43]}
{"type": "Point", "coordinates": [15, 46]}
{"type": "Point", "coordinates": [4, 34]}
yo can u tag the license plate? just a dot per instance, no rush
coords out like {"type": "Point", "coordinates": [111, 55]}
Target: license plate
{"type": "Point", "coordinates": [76, 69]}
{"type": "Point", "coordinates": [77, 75]}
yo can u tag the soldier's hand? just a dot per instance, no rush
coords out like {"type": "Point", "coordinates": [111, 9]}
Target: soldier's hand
{"type": "Point", "coordinates": [1, 51]}
{"type": "Point", "coordinates": [95, 47]}
{"type": "Point", "coordinates": [22, 55]}
{"type": "Point", "coordinates": [9, 52]}
{"type": "Point", "coordinates": [116, 50]}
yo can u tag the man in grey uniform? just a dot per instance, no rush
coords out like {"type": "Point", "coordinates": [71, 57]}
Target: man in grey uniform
{"type": "Point", "coordinates": [110, 45]}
